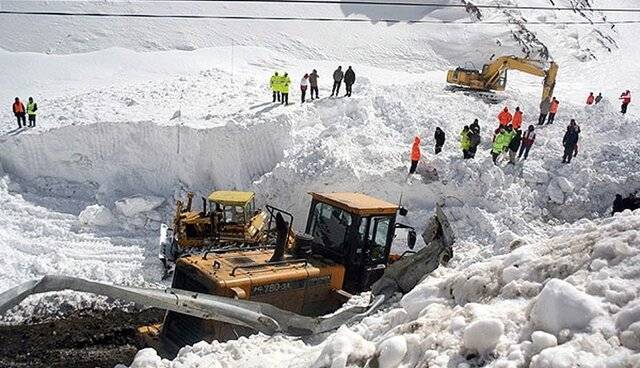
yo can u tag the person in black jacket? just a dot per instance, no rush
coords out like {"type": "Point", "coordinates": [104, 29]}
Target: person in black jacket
{"type": "Point", "coordinates": [569, 141]}
{"type": "Point", "coordinates": [440, 138]}
{"type": "Point", "coordinates": [349, 80]}
{"type": "Point", "coordinates": [338, 75]}
{"type": "Point", "coordinates": [514, 146]}
{"type": "Point", "coordinates": [475, 127]}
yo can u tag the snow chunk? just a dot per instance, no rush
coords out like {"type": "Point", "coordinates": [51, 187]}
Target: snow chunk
{"type": "Point", "coordinates": [392, 351]}
{"type": "Point", "coordinates": [542, 340]}
{"type": "Point", "coordinates": [557, 357]}
{"type": "Point", "coordinates": [555, 192]}
{"type": "Point", "coordinates": [561, 306]}
{"type": "Point", "coordinates": [483, 335]}
{"type": "Point", "coordinates": [419, 298]}
{"type": "Point", "coordinates": [344, 347]}
{"type": "Point", "coordinates": [134, 205]}
{"type": "Point", "coordinates": [96, 215]}
{"type": "Point", "coordinates": [631, 337]}
{"type": "Point", "coordinates": [147, 358]}
{"type": "Point", "coordinates": [627, 316]}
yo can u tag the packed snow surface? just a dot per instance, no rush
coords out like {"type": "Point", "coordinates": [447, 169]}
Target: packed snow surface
{"type": "Point", "coordinates": [542, 276]}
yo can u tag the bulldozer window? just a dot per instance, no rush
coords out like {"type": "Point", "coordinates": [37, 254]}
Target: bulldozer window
{"type": "Point", "coordinates": [233, 214]}
{"type": "Point", "coordinates": [379, 234]}
{"type": "Point", "coordinates": [329, 226]}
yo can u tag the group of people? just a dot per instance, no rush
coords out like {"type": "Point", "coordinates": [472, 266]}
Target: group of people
{"type": "Point", "coordinates": [21, 113]}
{"type": "Point", "coordinates": [548, 110]}
{"type": "Point", "coordinates": [280, 84]}
{"type": "Point", "coordinates": [625, 97]}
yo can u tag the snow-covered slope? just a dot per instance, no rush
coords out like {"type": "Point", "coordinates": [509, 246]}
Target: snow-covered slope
{"type": "Point", "coordinates": [85, 191]}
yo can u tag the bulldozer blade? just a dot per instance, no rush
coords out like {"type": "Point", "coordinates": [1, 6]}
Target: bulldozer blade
{"type": "Point", "coordinates": [258, 316]}
{"type": "Point", "coordinates": [404, 274]}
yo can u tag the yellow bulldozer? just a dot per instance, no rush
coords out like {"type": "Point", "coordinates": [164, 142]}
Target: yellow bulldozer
{"type": "Point", "coordinates": [223, 294]}
{"type": "Point", "coordinates": [493, 76]}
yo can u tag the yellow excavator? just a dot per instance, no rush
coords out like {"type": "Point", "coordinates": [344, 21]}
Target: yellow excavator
{"type": "Point", "coordinates": [493, 76]}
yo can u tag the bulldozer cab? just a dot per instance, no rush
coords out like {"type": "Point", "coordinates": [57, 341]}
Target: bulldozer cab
{"type": "Point", "coordinates": [232, 207]}
{"type": "Point", "coordinates": [355, 230]}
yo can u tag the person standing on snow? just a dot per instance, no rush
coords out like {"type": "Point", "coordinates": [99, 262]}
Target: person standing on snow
{"type": "Point", "coordinates": [19, 112]}
{"type": "Point", "coordinates": [415, 155]}
{"type": "Point", "coordinates": [576, 128]}
{"type": "Point", "coordinates": [337, 80]}
{"type": "Point", "coordinates": [284, 88]}
{"type": "Point", "coordinates": [626, 100]}
{"type": "Point", "coordinates": [304, 84]}
{"type": "Point", "coordinates": [465, 142]}
{"type": "Point", "coordinates": [505, 117]}
{"type": "Point", "coordinates": [500, 144]}
{"type": "Point", "coordinates": [598, 98]}
{"type": "Point", "coordinates": [516, 122]}
{"type": "Point", "coordinates": [527, 141]}
{"type": "Point", "coordinates": [545, 105]}
{"type": "Point", "coordinates": [591, 98]}
{"type": "Point", "coordinates": [349, 80]}
{"type": "Point", "coordinates": [440, 137]}
{"type": "Point", "coordinates": [553, 110]}
{"type": "Point", "coordinates": [514, 146]}
{"type": "Point", "coordinates": [475, 127]}
{"type": "Point", "coordinates": [313, 81]}
{"type": "Point", "coordinates": [569, 142]}
{"type": "Point", "coordinates": [474, 138]}
{"type": "Point", "coordinates": [274, 84]}
{"type": "Point", "coordinates": [32, 107]}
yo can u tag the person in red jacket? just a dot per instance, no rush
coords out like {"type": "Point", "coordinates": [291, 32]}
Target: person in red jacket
{"type": "Point", "coordinates": [553, 110]}
{"type": "Point", "coordinates": [516, 122]}
{"type": "Point", "coordinates": [626, 100]}
{"type": "Point", "coordinates": [415, 155]}
{"type": "Point", "coordinates": [20, 113]}
{"type": "Point", "coordinates": [505, 117]}
{"type": "Point", "coordinates": [527, 141]}
{"type": "Point", "coordinates": [591, 98]}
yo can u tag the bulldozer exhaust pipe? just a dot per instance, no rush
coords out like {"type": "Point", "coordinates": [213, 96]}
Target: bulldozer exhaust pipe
{"type": "Point", "coordinates": [281, 239]}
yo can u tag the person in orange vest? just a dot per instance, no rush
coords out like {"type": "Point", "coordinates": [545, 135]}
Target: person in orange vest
{"type": "Point", "coordinates": [505, 117]}
{"type": "Point", "coordinates": [591, 98]}
{"type": "Point", "coordinates": [19, 112]}
{"type": "Point", "coordinates": [553, 110]}
{"type": "Point", "coordinates": [516, 122]}
{"type": "Point", "coordinates": [415, 155]}
{"type": "Point", "coordinates": [626, 100]}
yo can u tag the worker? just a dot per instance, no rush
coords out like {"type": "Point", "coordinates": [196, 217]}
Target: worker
{"type": "Point", "coordinates": [528, 138]}
{"type": "Point", "coordinates": [465, 141]}
{"type": "Point", "coordinates": [545, 105]}
{"type": "Point", "coordinates": [285, 82]}
{"type": "Point", "coordinates": [337, 80]}
{"type": "Point", "coordinates": [349, 80]}
{"type": "Point", "coordinates": [274, 83]}
{"type": "Point", "coordinates": [475, 127]}
{"type": "Point", "coordinates": [313, 81]}
{"type": "Point", "coordinates": [505, 117]}
{"type": "Point", "coordinates": [553, 110]}
{"type": "Point", "coordinates": [19, 112]}
{"type": "Point", "coordinates": [500, 144]}
{"type": "Point", "coordinates": [626, 100]}
{"type": "Point", "coordinates": [439, 137]}
{"type": "Point", "coordinates": [32, 107]}
{"type": "Point", "coordinates": [415, 155]}
{"type": "Point", "coordinates": [514, 145]}
{"type": "Point", "coordinates": [516, 122]}
{"type": "Point", "coordinates": [304, 84]}
{"type": "Point", "coordinates": [569, 142]}
{"type": "Point", "coordinates": [474, 138]}
{"type": "Point", "coordinates": [598, 98]}
{"type": "Point", "coordinates": [591, 98]}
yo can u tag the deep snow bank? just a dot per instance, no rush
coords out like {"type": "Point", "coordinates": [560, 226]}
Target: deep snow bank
{"type": "Point", "coordinates": [116, 160]}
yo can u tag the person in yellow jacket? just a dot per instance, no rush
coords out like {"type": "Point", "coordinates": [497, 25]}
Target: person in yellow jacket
{"type": "Point", "coordinates": [274, 84]}
{"type": "Point", "coordinates": [32, 107]}
{"type": "Point", "coordinates": [284, 88]}
{"type": "Point", "coordinates": [501, 143]}
{"type": "Point", "coordinates": [465, 141]}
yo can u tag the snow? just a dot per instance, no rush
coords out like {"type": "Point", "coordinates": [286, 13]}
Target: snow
{"type": "Point", "coordinates": [483, 335]}
{"type": "Point", "coordinates": [541, 275]}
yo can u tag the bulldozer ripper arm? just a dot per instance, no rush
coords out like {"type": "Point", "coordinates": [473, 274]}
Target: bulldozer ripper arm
{"type": "Point", "coordinates": [261, 317]}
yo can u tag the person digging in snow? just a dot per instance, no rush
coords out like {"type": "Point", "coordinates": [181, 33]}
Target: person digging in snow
{"type": "Point", "coordinates": [415, 154]}
{"type": "Point", "coordinates": [274, 82]}
{"type": "Point", "coordinates": [440, 137]}
{"type": "Point", "coordinates": [527, 141]}
{"type": "Point", "coordinates": [337, 80]}
{"type": "Point", "coordinates": [313, 81]}
{"type": "Point", "coordinates": [569, 142]}
{"type": "Point", "coordinates": [349, 80]}
{"type": "Point", "coordinates": [304, 84]}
